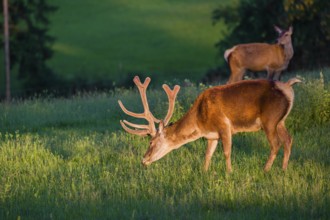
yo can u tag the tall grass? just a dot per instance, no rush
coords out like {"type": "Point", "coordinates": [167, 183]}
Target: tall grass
{"type": "Point", "coordinates": [69, 159]}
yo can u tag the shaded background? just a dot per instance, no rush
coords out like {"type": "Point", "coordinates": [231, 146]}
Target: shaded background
{"type": "Point", "coordinates": [62, 47]}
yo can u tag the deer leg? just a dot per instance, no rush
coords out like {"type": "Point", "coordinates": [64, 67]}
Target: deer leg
{"type": "Point", "coordinates": [270, 74]}
{"type": "Point", "coordinates": [226, 144]}
{"type": "Point", "coordinates": [275, 145]}
{"type": "Point", "coordinates": [236, 75]}
{"type": "Point", "coordinates": [211, 146]}
{"type": "Point", "coordinates": [277, 75]}
{"type": "Point", "coordinates": [286, 141]}
{"type": "Point", "coordinates": [236, 72]}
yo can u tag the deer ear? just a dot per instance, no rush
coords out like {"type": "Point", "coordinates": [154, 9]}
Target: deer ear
{"type": "Point", "coordinates": [277, 29]}
{"type": "Point", "coordinates": [161, 127]}
{"type": "Point", "coordinates": [290, 29]}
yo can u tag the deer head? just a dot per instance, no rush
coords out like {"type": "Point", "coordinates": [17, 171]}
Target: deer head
{"type": "Point", "coordinates": [159, 145]}
{"type": "Point", "coordinates": [284, 36]}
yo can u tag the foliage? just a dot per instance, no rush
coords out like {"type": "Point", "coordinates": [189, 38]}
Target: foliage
{"type": "Point", "coordinates": [70, 159]}
{"type": "Point", "coordinates": [253, 21]}
{"type": "Point", "coordinates": [30, 43]}
{"type": "Point", "coordinates": [310, 19]}
{"type": "Point", "coordinates": [249, 21]}
{"type": "Point", "coordinates": [312, 105]}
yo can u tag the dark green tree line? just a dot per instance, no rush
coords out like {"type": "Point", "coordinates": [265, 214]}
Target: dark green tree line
{"type": "Point", "coordinates": [30, 44]}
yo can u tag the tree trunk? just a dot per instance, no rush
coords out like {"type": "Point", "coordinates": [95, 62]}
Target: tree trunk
{"type": "Point", "coordinates": [6, 46]}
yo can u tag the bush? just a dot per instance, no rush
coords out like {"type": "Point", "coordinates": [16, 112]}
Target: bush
{"type": "Point", "coordinates": [312, 104]}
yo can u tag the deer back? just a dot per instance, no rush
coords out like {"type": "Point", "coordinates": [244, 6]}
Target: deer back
{"type": "Point", "coordinates": [257, 56]}
{"type": "Point", "coordinates": [245, 105]}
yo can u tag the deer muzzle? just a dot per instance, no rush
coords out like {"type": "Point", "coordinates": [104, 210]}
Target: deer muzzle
{"type": "Point", "coordinates": [146, 161]}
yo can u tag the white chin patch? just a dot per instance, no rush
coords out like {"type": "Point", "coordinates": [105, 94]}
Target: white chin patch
{"type": "Point", "coordinates": [146, 163]}
{"type": "Point", "coordinates": [160, 154]}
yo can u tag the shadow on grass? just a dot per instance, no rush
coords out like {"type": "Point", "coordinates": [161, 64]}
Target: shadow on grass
{"type": "Point", "coordinates": [159, 208]}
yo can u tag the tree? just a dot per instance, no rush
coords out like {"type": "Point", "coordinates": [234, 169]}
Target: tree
{"type": "Point", "coordinates": [6, 48]}
{"type": "Point", "coordinates": [253, 21]}
{"type": "Point", "coordinates": [31, 44]}
{"type": "Point", "coordinates": [249, 21]}
{"type": "Point", "coordinates": [311, 20]}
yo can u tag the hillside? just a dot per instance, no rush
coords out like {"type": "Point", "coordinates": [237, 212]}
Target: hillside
{"type": "Point", "coordinates": [109, 39]}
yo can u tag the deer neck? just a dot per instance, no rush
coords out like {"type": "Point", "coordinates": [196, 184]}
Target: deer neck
{"type": "Point", "coordinates": [288, 51]}
{"type": "Point", "coordinates": [183, 131]}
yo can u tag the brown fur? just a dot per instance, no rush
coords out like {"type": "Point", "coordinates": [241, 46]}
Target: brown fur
{"type": "Point", "coordinates": [273, 58]}
{"type": "Point", "coordinates": [222, 111]}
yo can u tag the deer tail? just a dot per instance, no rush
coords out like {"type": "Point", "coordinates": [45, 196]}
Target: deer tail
{"type": "Point", "coordinates": [293, 81]}
{"type": "Point", "coordinates": [228, 52]}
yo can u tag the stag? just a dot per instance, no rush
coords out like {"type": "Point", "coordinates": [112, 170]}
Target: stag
{"type": "Point", "coordinates": [273, 58]}
{"type": "Point", "coordinates": [218, 113]}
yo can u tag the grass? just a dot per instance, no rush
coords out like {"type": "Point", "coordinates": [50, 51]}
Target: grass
{"type": "Point", "coordinates": [70, 159]}
{"type": "Point", "coordinates": [109, 39]}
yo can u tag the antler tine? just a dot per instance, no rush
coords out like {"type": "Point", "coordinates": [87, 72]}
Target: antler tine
{"type": "Point", "coordinates": [138, 83]}
{"type": "Point", "coordinates": [136, 115]}
{"type": "Point", "coordinates": [171, 95]}
{"type": "Point", "coordinates": [142, 129]}
{"type": "Point", "coordinates": [137, 132]}
{"type": "Point", "coordinates": [145, 127]}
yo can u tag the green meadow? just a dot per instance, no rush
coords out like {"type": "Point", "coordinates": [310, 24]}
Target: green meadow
{"type": "Point", "coordinates": [68, 158]}
{"type": "Point", "coordinates": [111, 39]}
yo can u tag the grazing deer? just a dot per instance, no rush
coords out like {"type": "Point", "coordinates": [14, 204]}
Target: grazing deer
{"type": "Point", "coordinates": [218, 113]}
{"type": "Point", "coordinates": [274, 58]}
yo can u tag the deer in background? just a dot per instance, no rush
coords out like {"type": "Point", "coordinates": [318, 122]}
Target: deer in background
{"type": "Point", "coordinates": [273, 58]}
{"type": "Point", "coordinates": [218, 113]}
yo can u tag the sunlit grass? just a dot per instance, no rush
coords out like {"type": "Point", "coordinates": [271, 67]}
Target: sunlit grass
{"type": "Point", "coordinates": [70, 159]}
